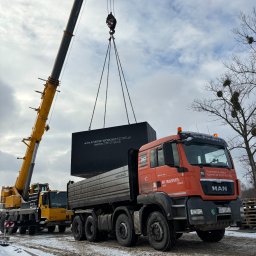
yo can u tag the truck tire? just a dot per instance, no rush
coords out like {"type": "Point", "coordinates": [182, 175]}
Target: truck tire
{"type": "Point", "coordinates": [78, 229]}
{"type": "Point", "coordinates": [22, 230]}
{"type": "Point", "coordinates": [2, 220]}
{"type": "Point", "coordinates": [62, 228]}
{"type": "Point", "coordinates": [51, 229]}
{"type": "Point", "coordinates": [31, 230]}
{"type": "Point", "coordinates": [125, 234]}
{"type": "Point", "coordinates": [178, 235]}
{"type": "Point", "coordinates": [91, 231]}
{"type": "Point", "coordinates": [211, 236]}
{"type": "Point", "coordinates": [160, 233]}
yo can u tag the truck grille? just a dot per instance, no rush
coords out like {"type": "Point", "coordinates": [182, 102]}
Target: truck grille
{"type": "Point", "coordinates": [217, 187]}
{"type": "Point", "coordinates": [224, 217]}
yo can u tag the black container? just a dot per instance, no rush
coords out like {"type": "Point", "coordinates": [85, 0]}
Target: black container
{"type": "Point", "coordinates": [98, 151]}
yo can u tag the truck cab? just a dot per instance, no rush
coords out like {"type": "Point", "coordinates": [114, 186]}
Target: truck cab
{"type": "Point", "coordinates": [52, 205]}
{"type": "Point", "coordinates": [196, 172]}
{"type": "Point", "coordinates": [177, 184]}
{"type": "Point", "coordinates": [53, 210]}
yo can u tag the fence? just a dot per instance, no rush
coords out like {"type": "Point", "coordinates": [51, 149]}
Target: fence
{"type": "Point", "coordinates": [250, 213]}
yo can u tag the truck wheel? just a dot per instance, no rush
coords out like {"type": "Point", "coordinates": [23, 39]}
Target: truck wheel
{"type": "Point", "coordinates": [22, 230]}
{"type": "Point", "coordinates": [91, 231]}
{"type": "Point", "coordinates": [125, 234]}
{"type": "Point", "coordinates": [51, 229]}
{"type": "Point", "coordinates": [78, 229]}
{"type": "Point", "coordinates": [160, 233]}
{"type": "Point", "coordinates": [178, 235]}
{"type": "Point", "coordinates": [31, 230]}
{"type": "Point", "coordinates": [62, 228]}
{"type": "Point", "coordinates": [212, 236]}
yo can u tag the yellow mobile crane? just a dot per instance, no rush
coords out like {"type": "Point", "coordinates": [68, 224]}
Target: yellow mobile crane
{"type": "Point", "coordinates": [29, 208]}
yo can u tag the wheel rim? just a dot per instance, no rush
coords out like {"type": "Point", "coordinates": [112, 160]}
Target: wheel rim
{"type": "Point", "coordinates": [123, 230]}
{"type": "Point", "coordinates": [156, 231]}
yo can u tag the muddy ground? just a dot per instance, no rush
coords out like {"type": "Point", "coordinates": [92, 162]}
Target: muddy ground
{"type": "Point", "coordinates": [235, 243]}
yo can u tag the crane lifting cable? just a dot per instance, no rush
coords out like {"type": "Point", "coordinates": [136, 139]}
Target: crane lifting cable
{"type": "Point", "coordinates": [111, 23]}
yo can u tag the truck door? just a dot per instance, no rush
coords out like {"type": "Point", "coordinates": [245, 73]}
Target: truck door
{"type": "Point", "coordinates": [147, 172]}
{"type": "Point", "coordinates": [168, 172]}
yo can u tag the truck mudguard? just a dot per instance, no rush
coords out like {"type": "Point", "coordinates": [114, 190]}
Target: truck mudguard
{"type": "Point", "coordinates": [158, 198]}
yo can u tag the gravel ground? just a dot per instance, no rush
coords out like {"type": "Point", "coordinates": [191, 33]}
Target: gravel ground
{"type": "Point", "coordinates": [235, 243]}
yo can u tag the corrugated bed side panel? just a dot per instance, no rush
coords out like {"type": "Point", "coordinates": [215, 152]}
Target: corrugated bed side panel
{"type": "Point", "coordinates": [112, 186]}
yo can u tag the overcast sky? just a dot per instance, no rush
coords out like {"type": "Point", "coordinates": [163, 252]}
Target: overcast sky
{"type": "Point", "coordinates": [169, 51]}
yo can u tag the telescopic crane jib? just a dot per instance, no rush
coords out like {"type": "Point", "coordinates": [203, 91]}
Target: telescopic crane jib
{"type": "Point", "coordinates": [13, 196]}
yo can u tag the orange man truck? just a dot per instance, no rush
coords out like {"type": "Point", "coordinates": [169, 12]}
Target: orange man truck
{"type": "Point", "coordinates": [181, 183]}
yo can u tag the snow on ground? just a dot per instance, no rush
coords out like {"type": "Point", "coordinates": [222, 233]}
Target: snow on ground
{"type": "Point", "coordinates": [12, 251]}
{"type": "Point", "coordinates": [50, 241]}
{"type": "Point", "coordinates": [35, 252]}
{"type": "Point", "coordinates": [55, 244]}
{"type": "Point", "coordinates": [238, 233]}
{"type": "Point", "coordinates": [109, 251]}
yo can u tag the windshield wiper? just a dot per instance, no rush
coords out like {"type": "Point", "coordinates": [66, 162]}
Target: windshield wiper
{"type": "Point", "coordinates": [210, 165]}
{"type": "Point", "coordinates": [201, 165]}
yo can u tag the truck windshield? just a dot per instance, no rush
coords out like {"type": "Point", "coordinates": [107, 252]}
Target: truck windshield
{"type": "Point", "coordinates": [207, 155]}
{"type": "Point", "coordinates": [58, 199]}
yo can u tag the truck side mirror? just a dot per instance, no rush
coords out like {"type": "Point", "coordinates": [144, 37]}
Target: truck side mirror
{"type": "Point", "coordinates": [168, 154]}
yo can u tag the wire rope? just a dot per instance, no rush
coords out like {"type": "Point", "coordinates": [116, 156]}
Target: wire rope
{"type": "Point", "coordinates": [106, 96]}
{"type": "Point", "coordinates": [120, 77]}
{"type": "Point", "coordinates": [111, 21]}
{"type": "Point", "coordinates": [94, 107]}
{"type": "Point", "coordinates": [117, 54]}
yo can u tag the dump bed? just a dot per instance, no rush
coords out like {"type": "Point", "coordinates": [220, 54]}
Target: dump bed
{"type": "Point", "coordinates": [117, 185]}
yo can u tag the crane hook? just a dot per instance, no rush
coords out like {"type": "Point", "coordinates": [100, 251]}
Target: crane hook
{"type": "Point", "coordinates": [111, 22]}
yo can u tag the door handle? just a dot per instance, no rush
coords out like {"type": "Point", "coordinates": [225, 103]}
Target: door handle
{"type": "Point", "coordinates": [158, 184]}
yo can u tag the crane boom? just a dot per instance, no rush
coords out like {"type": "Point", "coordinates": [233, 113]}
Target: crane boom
{"type": "Point", "coordinates": [23, 180]}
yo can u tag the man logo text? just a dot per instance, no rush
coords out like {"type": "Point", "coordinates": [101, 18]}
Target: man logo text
{"type": "Point", "coordinates": [220, 188]}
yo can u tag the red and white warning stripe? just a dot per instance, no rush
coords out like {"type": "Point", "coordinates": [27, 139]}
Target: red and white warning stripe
{"type": "Point", "coordinates": [8, 224]}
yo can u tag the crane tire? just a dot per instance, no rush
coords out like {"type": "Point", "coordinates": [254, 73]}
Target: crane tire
{"type": "Point", "coordinates": [51, 229]}
{"type": "Point", "coordinates": [22, 230]}
{"type": "Point", "coordinates": [31, 230]}
{"type": "Point", "coordinates": [62, 228]}
{"type": "Point", "coordinates": [2, 220]}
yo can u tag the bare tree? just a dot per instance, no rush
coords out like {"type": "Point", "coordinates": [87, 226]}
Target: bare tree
{"type": "Point", "coordinates": [247, 192]}
{"type": "Point", "coordinates": [233, 98]}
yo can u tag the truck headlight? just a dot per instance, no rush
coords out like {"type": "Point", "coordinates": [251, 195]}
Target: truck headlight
{"type": "Point", "coordinates": [196, 211]}
{"type": "Point", "coordinates": [223, 210]}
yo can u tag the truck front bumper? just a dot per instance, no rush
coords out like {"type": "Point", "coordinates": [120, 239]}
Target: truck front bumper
{"type": "Point", "coordinates": [209, 215]}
